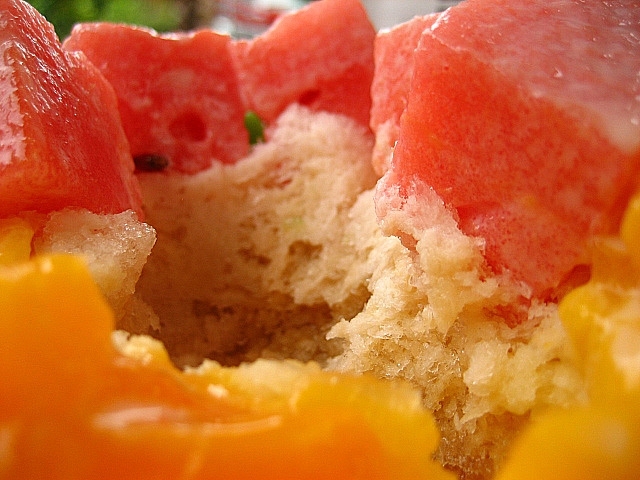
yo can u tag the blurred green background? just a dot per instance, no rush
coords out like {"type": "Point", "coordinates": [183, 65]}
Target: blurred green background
{"type": "Point", "coordinates": [162, 15]}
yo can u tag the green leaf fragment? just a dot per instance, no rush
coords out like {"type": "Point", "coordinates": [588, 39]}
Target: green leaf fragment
{"type": "Point", "coordinates": [255, 127]}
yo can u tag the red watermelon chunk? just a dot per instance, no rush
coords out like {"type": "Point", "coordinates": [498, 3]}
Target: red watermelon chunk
{"type": "Point", "coordinates": [524, 116]}
{"type": "Point", "coordinates": [183, 97]}
{"type": "Point", "coordinates": [320, 56]}
{"type": "Point", "coordinates": [178, 94]}
{"type": "Point", "coordinates": [393, 58]}
{"type": "Point", "coordinates": [61, 141]}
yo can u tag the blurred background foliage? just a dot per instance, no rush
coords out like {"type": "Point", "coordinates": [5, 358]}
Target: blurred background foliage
{"type": "Point", "coordinates": [161, 15]}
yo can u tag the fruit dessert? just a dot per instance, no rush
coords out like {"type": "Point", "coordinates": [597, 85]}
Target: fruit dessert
{"type": "Point", "coordinates": [356, 254]}
{"type": "Point", "coordinates": [240, 269]}
{"type": "Point", "coordinates": [82, 400]}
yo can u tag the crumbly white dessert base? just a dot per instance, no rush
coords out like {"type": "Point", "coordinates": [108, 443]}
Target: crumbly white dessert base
{"type": "Point", "coordinates": [116, 248]}
{"type": "Point", "coordinates": [257, 259]}
{"type": "Point", "coordinates": [437, 318]}
{"type": "Point", "coordinates": [281, 256]}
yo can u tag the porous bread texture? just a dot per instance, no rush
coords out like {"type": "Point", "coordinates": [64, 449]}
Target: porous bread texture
{"type": "Point", "coordinates": [436, 318]}
{"type": "Point", "coordinates": [115, 247]}
{"type": "Point", "coordinates": [256, 259]}
{"type": "Point", "coordinates": [281, 256]}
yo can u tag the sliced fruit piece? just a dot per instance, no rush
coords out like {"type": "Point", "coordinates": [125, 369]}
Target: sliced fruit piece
{"type": "Point", "coordinates": [61, 141]}
{"type": "Point", "coordinates": [15, 240]}
{"type": "Point", "coordinates": [525, 120]}
{"type": "Point", "coordinates": [177, 93]}
{"type": "Point", "coordinates": [393, 54]}
{"type": "Point", "coordinates": [584, 443]}
{"type": "Point", "coordinates": [320, 56]}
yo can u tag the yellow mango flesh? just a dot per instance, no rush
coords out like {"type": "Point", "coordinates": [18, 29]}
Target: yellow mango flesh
{"type": "Point", "coordinates": [79, 401]}
{"type": "Point", "coordinates": [15, 240]}
{"type": "Point", "coordinates": [600, 440]}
